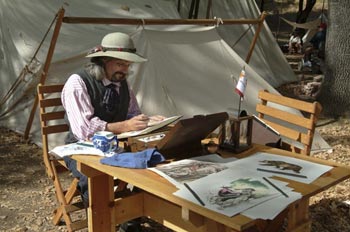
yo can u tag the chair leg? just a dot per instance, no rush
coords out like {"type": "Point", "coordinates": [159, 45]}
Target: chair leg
{"type": "Point", "coordinates": [68, 199]}
{"type": "Point", "coordinates": [65, 203]}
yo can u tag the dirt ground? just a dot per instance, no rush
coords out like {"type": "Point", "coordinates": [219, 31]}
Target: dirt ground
{"type": "Point", "coordinates": [27, 195]}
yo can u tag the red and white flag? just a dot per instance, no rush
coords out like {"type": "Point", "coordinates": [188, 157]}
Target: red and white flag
{"type": "Point", "coordinates": [242, 83]}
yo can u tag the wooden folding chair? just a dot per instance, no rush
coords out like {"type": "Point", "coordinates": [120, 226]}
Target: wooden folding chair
{"type": "Point", "coordinates": [52, 121]}
{"type": "Point", "coordinates": [298, 128]}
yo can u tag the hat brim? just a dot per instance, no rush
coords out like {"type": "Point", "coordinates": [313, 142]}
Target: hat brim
{"type": "Point", "coordinates": [132, 57]}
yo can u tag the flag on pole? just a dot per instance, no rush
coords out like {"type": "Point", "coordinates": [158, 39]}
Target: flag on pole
{"type": "Point", "coordinates": [242, 83]}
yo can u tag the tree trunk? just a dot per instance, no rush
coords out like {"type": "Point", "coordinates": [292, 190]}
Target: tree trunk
{"type": "Point", "coordinates": [335, 91]}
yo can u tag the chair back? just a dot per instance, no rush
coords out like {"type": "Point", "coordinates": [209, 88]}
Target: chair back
{"type": "Point", "coordinates": [299, 128]}
{"type": "Point", "coordinates": [51, 118]}
{"type": "Point", "coordinates": [52, 122]}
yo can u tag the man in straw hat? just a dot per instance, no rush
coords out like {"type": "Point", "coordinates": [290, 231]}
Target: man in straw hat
{"type": "Point", "coordinates": [98, 97]}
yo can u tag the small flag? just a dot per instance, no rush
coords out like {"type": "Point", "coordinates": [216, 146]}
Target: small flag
{"type": "Point", "coordinates": [242, 83]}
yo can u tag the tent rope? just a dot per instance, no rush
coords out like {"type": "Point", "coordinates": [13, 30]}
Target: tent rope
{"type": "Point", "coordinates": [228, 67]}
{"type": "Point", "coordinates": [243, 34]}
{"type": "Point", "coordinates": [26, 68]}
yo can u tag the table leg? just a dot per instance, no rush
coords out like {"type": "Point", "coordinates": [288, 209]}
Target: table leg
{"type": "Point", "coordinates": [298, 217]}
{"type": "Point", "coordinates": [101, 213]}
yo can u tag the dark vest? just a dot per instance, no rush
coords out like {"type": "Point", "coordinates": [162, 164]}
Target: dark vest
{"type": "Point", "coordinates": [96, 91]}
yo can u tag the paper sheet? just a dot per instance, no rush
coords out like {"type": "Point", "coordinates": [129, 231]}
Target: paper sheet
{"type": "Point", "coordinates": [230, 191]}
{"type": "Point", "coordinates": [152, 127]}
{"type": "Point", "coordinates": [187, 170]}
{"type": "Point", "coordinates": [76, 149]}
{"type": "Point", "coordinates": [288, 165]}
{"type": "Point", "coordinates": [271, 208]}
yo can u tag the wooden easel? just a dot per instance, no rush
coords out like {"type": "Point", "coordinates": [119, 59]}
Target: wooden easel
{"type": "Point", "coordinates": [184, 139]}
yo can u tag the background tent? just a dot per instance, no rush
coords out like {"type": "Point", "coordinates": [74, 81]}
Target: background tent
{"type": "Point", "coordinates": [267, 59]}
{"type": "Point", "coordinates": [190, 71]}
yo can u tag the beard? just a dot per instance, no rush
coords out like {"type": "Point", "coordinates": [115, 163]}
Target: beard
{"type": "Point", "coordinates": [118, 76]}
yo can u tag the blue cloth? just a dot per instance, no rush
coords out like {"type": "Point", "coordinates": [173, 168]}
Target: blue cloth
{"type": "Point", "coordinates": [143, 159]}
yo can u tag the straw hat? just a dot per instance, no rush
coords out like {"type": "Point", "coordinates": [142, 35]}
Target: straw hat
{"type": "Point", "coordinates": [117, 45]}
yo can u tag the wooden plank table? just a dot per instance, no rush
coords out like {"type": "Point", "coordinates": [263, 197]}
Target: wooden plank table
{"type": "Point", "coordinates": [155, 198]}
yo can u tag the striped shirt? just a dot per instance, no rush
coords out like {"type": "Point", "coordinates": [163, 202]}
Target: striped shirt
{"type": "Point", "coordinates": [76, 101]}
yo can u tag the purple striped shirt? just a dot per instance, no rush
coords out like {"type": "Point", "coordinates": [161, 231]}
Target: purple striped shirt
{"type": "Point", "coordinates": [76, 102]}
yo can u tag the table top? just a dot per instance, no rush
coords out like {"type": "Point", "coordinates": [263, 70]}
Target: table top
{"type": "Point", "coordinates": [153, 183]}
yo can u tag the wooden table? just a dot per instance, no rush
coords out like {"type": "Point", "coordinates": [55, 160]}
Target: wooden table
{"type": "Point", "coordinates": [156, 200]}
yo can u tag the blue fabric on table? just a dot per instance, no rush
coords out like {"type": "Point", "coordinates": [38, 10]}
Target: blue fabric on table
{"type": "Point", "coordinates": [142, 159]}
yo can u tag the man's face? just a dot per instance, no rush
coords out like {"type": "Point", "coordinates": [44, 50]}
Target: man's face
{"type": "Point", "coordinates": [117, 70]}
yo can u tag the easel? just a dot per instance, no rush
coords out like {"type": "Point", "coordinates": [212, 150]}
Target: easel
{"type": "Point", "coordinates": [183, 140]}
{"type": "Point", "coordinates": [125, 21]}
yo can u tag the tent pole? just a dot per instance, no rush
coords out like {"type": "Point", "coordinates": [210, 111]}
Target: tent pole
{"type": "Point", "coordinates": [209, 6]}
{"type": "Point", "coordinates": [256, 36]}
{"type": "Point", "coordinates": [196, 9]}
{"type": "Point", "coordinates": [133, 21]}
{"type": "Point", "coordinates": [190, 12]}
{"type": "Point", "coordinates": [178, 5]}
{"type": "Point", "coordinates": [45, 69]}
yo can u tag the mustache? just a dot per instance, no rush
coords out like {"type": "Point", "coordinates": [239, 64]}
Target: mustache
{"type": "Point", "coordinates": [120, 73]}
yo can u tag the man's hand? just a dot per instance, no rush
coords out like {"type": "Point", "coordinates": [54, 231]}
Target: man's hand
{"type": "Point", "coordinates": [153, 120]}
{"type": "Point", "coordinates": [138, 122]}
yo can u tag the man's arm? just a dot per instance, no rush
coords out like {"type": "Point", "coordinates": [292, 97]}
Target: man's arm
{"type": "Point", "coordinates": [134, 108]}
{"type": "Point", "coordinates": [138, 122]}
{"type": "Point", "coordinates": [77, 103]}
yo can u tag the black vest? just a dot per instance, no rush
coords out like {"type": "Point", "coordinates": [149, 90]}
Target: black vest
{"type": "Point", "coordinates": [96, 91]}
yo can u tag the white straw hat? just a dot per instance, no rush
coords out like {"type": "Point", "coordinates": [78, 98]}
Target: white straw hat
{"type": "Point", "coordinates": [117, 45]}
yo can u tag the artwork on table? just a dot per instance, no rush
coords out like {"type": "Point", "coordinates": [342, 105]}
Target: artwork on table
{"type": "Point", "coordinates": [187, 170]}
{"type": "Point", "coordinates": [283, 166]}
{"type": "Point", "coordinates": [230, 191]}
{"type": "Point", "coordinates": [238, 192]}
{"type": "Point", "coordinates": [79, 148]}
{"type": "Point", "coordinates": [245, 185]}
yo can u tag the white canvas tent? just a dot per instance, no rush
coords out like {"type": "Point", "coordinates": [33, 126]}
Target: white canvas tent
{"type": "Point", "coordinates": [267, 59]}
{"type": "Point", "coordinates": [189, 71]}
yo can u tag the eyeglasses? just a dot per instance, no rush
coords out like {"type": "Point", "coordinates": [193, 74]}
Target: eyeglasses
{"type": "Point", "coordinates": [123, 64]}
{"type": "Point", "coordinates": [119, 63]}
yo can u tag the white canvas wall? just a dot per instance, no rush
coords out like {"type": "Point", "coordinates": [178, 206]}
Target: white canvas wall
{"type": "Point", "coordinates": [189, 71]}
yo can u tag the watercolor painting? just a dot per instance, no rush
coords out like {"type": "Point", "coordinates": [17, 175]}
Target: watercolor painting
{"type": "Point", "coordinates": [230, 191]}
{"type": "Point", "coordinates": [187, 170]}
{"type": "Point", "coordinates": [239, 191]}
{"type": "Point", "coordinates": [281, 165]}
